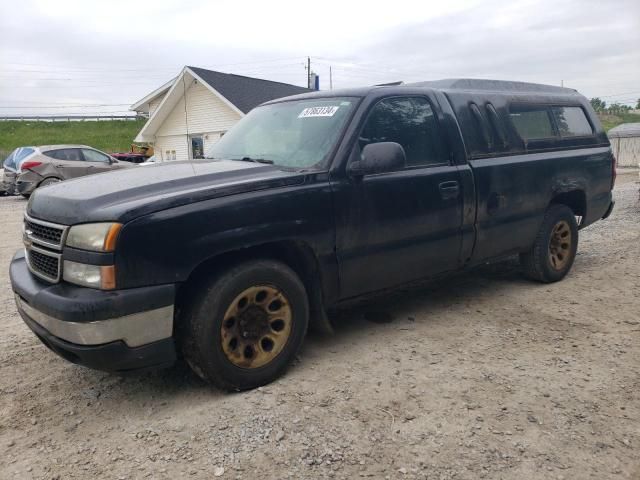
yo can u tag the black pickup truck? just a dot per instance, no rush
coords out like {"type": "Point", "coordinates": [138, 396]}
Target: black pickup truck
{"type": "Point", "coordinates": [309, 201]}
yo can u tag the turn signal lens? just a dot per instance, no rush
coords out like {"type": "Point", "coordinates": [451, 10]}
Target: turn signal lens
{"type": "Point", "coordinates": [108, 275]}
{"type": "Point", "coordinates": [112, 236]}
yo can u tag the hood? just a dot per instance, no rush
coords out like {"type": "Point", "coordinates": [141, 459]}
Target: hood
{"type": "Point", "coordinates": [123, 195]}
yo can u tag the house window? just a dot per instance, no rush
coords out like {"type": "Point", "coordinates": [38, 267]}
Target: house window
{"type": "Point", "coordinates": [197, 147]}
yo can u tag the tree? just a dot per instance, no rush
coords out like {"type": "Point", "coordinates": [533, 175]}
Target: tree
{"type": "Point", "coordinates": [615, 108]}
{"type": "Point", "coordinates": [638, 105]}
{"type": "Point", "coordinates": [598, 105]}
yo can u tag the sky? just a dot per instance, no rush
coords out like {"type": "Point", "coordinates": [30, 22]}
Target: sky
{"type": "Point", "coordinates": [98, 57]}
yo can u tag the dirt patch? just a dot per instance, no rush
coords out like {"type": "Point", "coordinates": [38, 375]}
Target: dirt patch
{"type": "Point", "coordinates": [481, 375]}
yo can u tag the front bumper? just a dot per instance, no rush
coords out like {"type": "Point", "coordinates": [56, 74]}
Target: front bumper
{"type": "Point", "coordinates": [108, 330]}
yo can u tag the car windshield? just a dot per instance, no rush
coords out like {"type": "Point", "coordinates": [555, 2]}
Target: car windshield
{"type": "Point", "coordinates": [297, 134]}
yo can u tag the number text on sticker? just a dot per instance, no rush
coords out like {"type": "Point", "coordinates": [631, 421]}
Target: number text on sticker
{"type": "Point", "coordinates": [328, 111]}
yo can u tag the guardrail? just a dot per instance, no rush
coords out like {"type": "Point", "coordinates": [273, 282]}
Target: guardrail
{"type": "Point", "coordinates": [68, 118]}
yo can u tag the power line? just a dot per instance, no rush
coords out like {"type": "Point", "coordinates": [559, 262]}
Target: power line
{"type": "Point", "coordinates": [149, 68]}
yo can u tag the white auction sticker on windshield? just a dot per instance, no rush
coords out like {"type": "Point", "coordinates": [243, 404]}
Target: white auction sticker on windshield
{"type": "Point", "coordinates": [309, 112]}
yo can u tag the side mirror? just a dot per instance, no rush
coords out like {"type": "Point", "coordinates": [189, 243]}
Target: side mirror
{"type": "Point", "coordinates": [379, 158]}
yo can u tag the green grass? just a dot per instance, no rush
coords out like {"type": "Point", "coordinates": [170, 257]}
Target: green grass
{"type": "Point", "coordinates": [610, 121]}
{"type": "Point", "coordinates": [107, 135]}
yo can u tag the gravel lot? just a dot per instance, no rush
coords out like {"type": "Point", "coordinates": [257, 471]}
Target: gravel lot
{"type": "Point", "coordinates": [482, 375]}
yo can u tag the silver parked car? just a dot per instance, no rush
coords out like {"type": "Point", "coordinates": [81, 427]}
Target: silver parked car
{"type": "Point", "coordinates": [49, 164]}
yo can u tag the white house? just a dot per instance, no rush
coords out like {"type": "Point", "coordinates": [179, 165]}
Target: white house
{"type": "Point", "coordinates": [192, 111]}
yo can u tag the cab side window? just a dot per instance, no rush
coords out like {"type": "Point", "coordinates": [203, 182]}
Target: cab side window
{"type": "Point", "coordinates": [411, 122]}
{"type": "Point", "coordinates": [93, 156]}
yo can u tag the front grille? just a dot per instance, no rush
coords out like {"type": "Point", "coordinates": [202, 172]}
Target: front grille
{"type": "Point", "coordinates": [44, 264]}
{"type": "Point", "coordinates": [42, 232]}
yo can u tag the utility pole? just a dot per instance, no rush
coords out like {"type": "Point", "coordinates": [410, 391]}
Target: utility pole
{"type": "Point", "coordinates": [308, 72]}
{"type": "Point", "coordinates": [330, 79]}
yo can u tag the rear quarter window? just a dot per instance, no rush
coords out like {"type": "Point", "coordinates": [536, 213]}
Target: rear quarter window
{"type": "Point", "coordinates": [571, 122]}
{"type": "Point", "coordinates": [532, 122]}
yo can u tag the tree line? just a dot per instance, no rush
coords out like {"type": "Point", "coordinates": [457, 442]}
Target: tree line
{"type": "Point", "coordinates": [615, 108]}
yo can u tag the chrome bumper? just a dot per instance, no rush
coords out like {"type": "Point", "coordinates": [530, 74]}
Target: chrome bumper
{"type": "Point", "coordinates": [134, 330]}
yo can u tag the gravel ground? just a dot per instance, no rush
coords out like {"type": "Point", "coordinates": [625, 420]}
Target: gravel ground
{"type": "Point", "coordinates": [482, 375]}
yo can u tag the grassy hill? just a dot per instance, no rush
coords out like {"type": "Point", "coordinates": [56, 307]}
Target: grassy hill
{"type": "Point", "coordinates": [610, 121]}
{"type": "Point", "coordinates": [109, 136]}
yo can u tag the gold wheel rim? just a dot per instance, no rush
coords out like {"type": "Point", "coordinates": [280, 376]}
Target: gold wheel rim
{"type": "Point", "coordinates": [256, 326]}
{"type": "Point", "coordinates": [560, 245]}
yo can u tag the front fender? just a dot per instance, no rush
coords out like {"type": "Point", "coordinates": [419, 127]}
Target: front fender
{"type": "Point", "coordinates": [167, 246]}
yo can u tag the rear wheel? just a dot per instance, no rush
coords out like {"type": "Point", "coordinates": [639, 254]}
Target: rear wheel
{"type": "Point", "coordinates": [555, 247]}
{"type": "Point", "coordinates": [244, 326]}
{"type": "Point", "coordinates": [49, 181]}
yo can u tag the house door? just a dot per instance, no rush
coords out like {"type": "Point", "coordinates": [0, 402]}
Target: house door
{"type": "Point", "coordinates": [197, 147]}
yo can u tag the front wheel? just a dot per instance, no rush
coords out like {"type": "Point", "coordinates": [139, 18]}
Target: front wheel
{"type": "Point", "coordinates": [555, 246]}
{"type": "Point", "coordinates": [244, 326]}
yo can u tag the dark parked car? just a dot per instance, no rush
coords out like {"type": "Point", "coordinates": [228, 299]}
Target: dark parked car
{"type": "Point", "coordinates": [130, 157]}
{"type": "Point", "coordinates": [309, 201]}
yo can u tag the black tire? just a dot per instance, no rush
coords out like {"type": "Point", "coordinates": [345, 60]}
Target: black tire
{"type": "Point", "coordinates": [538, 263]}
{"type": "Point", "coordinates": [26, 195]}
{"type": "Point", "coordinates": [201, 323]}
{"type": "Point", "coordinates": [49, 181]}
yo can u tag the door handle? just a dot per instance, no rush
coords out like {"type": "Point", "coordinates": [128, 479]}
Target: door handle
{"type": "Point", "coordinates": [449, 189]}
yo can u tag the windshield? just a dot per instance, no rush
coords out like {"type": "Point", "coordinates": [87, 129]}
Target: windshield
{"type": "Point", "coordinates": [298, 134]}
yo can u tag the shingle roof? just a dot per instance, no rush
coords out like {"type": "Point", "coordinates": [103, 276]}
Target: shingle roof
{"type": "Point", "coordinates": [625, 130]}
{"type": "Point", "coordinates": [246, 92]}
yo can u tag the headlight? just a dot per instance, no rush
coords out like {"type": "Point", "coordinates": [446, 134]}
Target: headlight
{"type": "Point", "coordinates": [99, 237]}
{"type": "Point", "coordinates": [95, 276]}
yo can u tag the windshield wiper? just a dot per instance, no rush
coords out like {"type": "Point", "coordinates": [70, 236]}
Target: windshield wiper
{"type": "Point", "coordinates": [256, 160]}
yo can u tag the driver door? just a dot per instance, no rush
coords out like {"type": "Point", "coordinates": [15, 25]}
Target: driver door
{"type": "Point", "coordinates": [401, 225]}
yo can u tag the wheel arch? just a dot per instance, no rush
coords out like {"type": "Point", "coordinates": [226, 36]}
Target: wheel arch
{"type": "Point", "coordinates": [49, 177]}
{"type": "Point", "coordinates": [297, 255]}
{"type": "Point", "coordinates": [575, 199]}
